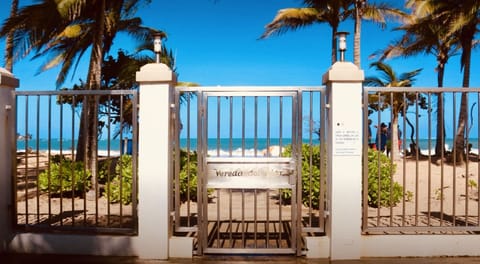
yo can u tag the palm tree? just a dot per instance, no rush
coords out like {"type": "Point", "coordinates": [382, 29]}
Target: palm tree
{"type": "Point", "coordinates": [376, 12]}
{"type": "Point", "coordinates": [315, 11]}
{"type": "Point", "coordinates": [389, 78]}
{"type": "Point", "coordinates": [332, 12]}
{"type": "Point", "coordinates": [462, 18]}
{"type": "Point", "coordinates": [9, 41]}
{"type": "Point", "coordinates": [65, 30]}
{"type": "Point", "coordinates": [423, 34]}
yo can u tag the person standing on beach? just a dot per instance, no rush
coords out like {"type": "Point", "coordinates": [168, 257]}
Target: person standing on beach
{"type": "Point", "coordinates": [382, 137]}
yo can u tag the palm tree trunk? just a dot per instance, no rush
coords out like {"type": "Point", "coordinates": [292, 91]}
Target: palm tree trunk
{"type": "Point", "coordinates": [334, 44]}
{"type": "Point", "coordinates": [90, 104]}
{"type": "Point", "coordinates": [395, 150]}
{"type": "Point", "coordinates": [467, 38]}
{"type": "Point", "coordinates": [9, 40]}
{"type": "Point", "coordinates": [440, 143]}
{"type": "Point", "coordinates": [357, 33]}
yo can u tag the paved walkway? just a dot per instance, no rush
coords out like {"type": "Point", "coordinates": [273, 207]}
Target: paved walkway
{"type": "Point", "coordinates": [74, 259]}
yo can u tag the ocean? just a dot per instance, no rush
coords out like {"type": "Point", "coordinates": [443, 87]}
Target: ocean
{"type": "Point", "coordinates": [224, 145]}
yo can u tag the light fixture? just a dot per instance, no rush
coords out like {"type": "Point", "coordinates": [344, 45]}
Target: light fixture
{"type": "Point", "coordinates": [342, 44]}
{"type": "Point", "coordinates": [157, 46]}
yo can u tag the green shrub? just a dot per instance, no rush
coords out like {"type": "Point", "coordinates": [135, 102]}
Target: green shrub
{"type": "Point", "coordinates": [65, 176]}
{"type": "Point", "coordinates": [310, 188]}
{"type": "Point", "coordinates": [188, 176]}
{"type": "Point", "coordinates": [119, 189]}
{"type": "Point", "coordinates": [381, 190]}
{"type": "Point", "coordinates": [374, 198]}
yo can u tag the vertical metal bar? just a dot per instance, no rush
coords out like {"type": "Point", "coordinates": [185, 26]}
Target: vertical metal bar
{"type": "Point", "coordinates": [202, 118]}
{"type": "Point", "coordinates": [230, 98]}
{"type": "Point", "coordinates": [120, 175]}
{"type": "Point", "coordinates": [85, 155]}
{"type": "Point", "coordinates": [365, 158]}
{"type": "Point", "coordinates": [297, 112]}
{"type": "Point", "coordinates": [26, 161]}
{"type": "Point", "coordinates": [379, 147]}
{"type": "Point", "coordinates": [189, 223]}
{"type": "Point", "coordinates": [392, 146]}
{"type": "Point", "coordinates": [244, 230]}
{"type": "Point", "coordinates": [417, 179]}
{"type": "Point", "coordinates": [467, 161]}
{"type": "Point", "coordinates": [219, 199]}
{"type": "Point", "coordinates": [310, 160]}
{"type": "Point", "coordinates": [454, 220]}
{"type": "Point", "coordinates": [109, 124]}
{"type": "Point", "coordinates": [267, 226]}
{"type": "Point", "coordinates": [268, 127]}
{"type": "Point", "coordinates": [429, 188]}
{"type": "Point", "coordinates": [323, 161]}
{"type": "Point", "coordinates": [37, 170]}
{"type": "Point", "coordinates": [255, 215]}
{"type": "Point", "coordinates": [72, 149]}
{"type": "Point", "coordinates": [135, 159]}
{"type": "Point", "coordinates": [280, 134]}
{"type": "Point", "coordinates": [404, 176]}
{"type": "Point", "coordinates": [61, 163]}
{"type": "Point", "coordinates": [243, 126]}
{"type": "Point", "coordinates": [230, 206]}
{"type": "Point", "coordinates": [49, 143]}
{"type": "Point", "coordinates": [442, 140]}
{"type": "Point", "coordinates": [478, 155]}
{"type": "Point", "coordinates": [218, 126]}
{"type": "Point", "coordinates": [255, 136]}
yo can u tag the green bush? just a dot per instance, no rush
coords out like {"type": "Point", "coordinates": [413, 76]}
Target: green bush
{"type": "Point", "coordinates": [381, 190]}
{"type": "Point", "coordinates": [65, 176]}
{"type": "Point", "coordinates": [119, 189]}
{"type": "Point", "coordinates": [188, 176]}
{"type": "Point", "coordinates": [310, 188]}
{"type": "Point", "coordinates": [385, 198]}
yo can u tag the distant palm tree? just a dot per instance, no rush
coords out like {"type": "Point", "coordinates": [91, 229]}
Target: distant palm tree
{"type": "Point", "coordinates": [389, 78]}
{"type": "Point", "coordinates": [425, 34]}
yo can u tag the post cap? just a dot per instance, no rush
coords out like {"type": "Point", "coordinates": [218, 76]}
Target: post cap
{"type": "Point", "coordinates": [7, 79]}
{"type": "Point", "coordinates": [342, 71]}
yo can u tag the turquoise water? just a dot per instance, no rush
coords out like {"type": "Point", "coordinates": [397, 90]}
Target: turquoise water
{"type": "Point", "coordinates": [223, 144]}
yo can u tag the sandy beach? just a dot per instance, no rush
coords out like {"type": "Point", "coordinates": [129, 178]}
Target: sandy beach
{"type": "Point", "coordinates": [436, 194]}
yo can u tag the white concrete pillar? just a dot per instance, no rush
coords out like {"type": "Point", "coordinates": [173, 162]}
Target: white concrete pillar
{"type": "Point", "coordinates": [157, 82]}
{"type": "Point", "coordinates": [344, 90]}
{"type": "Point", "coordinates": [8, 83]}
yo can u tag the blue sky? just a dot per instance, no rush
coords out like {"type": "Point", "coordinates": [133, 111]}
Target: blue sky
{"type": "Point", "coordinates": [216, 43]}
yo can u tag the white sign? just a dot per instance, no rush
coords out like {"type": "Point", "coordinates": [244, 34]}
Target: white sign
{"type": "Point", "coordinates": [250, 174]}
{"type": "Point", "coordinates": [347, 142]}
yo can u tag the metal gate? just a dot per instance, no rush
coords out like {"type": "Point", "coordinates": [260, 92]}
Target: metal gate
{"type": "Point", "coordinates": [238, 185]}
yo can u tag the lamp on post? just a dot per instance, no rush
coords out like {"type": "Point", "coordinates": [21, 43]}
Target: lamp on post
{"type": "Point", "coordinates": [157, 46]}
{"type": "Point", "coordinates": [342, 44]}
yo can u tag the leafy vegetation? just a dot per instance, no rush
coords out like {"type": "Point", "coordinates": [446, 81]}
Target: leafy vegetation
{"type": "Point", "coordinates": [119, 189]}
{"type": "Point", "coordinates": [382, 190]}
{"type": "Point", "coordinates": [64, 175]}
{"type": "Point", "coordinates": [310, 188]}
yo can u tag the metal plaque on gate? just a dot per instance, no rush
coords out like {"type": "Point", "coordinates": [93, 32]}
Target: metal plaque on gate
{"type": "Point", "coordinates": [255, 173]}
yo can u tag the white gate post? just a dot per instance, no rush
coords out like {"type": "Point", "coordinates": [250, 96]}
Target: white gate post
{"type": "Point", "coordinates": [344, 91]}
{"type": "Point", "coordinates": [157, 82]}
{"type": "Point", "coordinates": [8, 83]}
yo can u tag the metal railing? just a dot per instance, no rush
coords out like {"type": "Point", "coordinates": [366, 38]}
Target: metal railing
{"type": "Point", "coordinates": [429, 181]}
{"type": "Point", "coordinates": [249, 124]}
{"type": "Point", "coordinates": [55, 189]}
